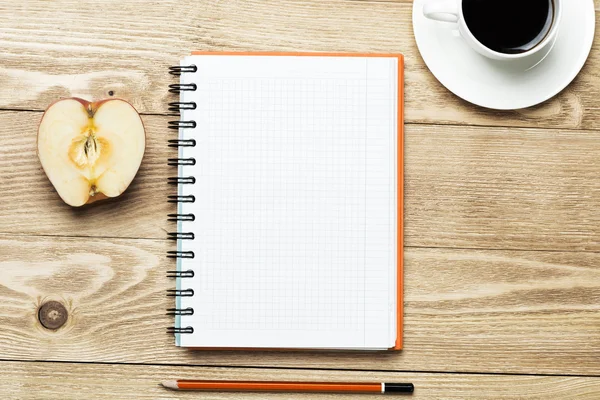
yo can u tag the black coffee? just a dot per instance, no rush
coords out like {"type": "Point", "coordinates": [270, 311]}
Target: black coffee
{"type": "Point", "coordinates": [509, 26]}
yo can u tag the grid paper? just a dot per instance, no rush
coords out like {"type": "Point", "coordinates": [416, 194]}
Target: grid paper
{"type": "Point", "coordinates": [295, 207]}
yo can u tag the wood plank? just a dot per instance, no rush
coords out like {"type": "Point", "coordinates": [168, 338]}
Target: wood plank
{"type": "Point", "coordinates": [34, 380]}
{"type": "Point", "coordinates": [465, 187]}
{"type": "Point", "coordinates": [502, 188]}
{"type": "Point", "coordinates": [127, 48]}
{"type": "Point", "coordinates": [30, 205]}
{"type": "Point", "coordinates": [465, 310]}
{"type": "Point", "coordinates": [596, 2]}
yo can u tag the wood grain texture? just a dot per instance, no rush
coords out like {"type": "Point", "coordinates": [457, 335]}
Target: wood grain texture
{"type": "Point", "coordinates": [596, 2]}
{"type": "Point", "coordinates": [25, 380]}
{"type": "Point", "coordinates": [30, 205]}
{"type": "Point", "coordinates": [465, 310]}
{"type": "Point", "coordinates": [465, 187]}
{"type": "Point", "coordinates": [502, 188]}
{"type": "Point", "coordinates": [67, 47]}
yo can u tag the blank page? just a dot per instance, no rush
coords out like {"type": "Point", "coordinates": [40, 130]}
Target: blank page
{"type": "Point", "coordinates": [295, 202]}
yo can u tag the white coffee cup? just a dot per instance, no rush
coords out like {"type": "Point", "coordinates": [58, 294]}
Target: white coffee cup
{"type": "Point", "coordinates": [452, 11]}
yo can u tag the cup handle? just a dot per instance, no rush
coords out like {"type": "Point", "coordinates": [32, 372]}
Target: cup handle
{"type": "Point", "coordinates": [444, 11]}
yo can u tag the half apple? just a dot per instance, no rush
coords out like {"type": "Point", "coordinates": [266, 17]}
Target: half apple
{"type": "Point", "coordinates": [90, 151]}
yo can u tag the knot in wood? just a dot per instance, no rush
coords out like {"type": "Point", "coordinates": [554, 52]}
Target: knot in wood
{"type": "Point", "coordinates": [52, 315]}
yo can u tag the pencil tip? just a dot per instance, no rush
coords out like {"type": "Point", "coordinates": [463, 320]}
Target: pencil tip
{"type": "Point", "coordinates": [170, 384]}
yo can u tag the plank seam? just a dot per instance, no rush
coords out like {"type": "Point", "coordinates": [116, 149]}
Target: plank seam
{"type": "Point", "coordinates": [165, 239]}
{"type": "Point", "coordinates": [407, 123]}
{"type": "Point", "coordinates": [305, 368]}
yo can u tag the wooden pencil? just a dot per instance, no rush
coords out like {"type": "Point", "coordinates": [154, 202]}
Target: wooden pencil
{"type": "Point", "coordinates": [307, 387]}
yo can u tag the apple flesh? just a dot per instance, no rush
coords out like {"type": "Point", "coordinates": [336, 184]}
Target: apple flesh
{"type": "Point", "coordinates": [90, 151]}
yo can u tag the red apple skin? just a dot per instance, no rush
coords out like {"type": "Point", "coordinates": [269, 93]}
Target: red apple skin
{"type": "Point", "coordinates": [94, 107]}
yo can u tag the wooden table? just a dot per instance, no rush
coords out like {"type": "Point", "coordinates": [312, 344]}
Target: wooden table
{"type": "Point", "coordinates": [502, 214]}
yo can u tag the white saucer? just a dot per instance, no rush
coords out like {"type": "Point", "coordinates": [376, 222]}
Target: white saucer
{"type": "Point", "coordinates": [499, 84]}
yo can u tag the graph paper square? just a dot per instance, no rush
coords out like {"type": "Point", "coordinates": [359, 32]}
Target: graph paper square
{"type": "Point", "coordinates": [296, 199]}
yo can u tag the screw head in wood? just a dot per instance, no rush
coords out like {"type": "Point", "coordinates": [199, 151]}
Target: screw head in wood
{"type": "Point", "coordinates": [52, 315]}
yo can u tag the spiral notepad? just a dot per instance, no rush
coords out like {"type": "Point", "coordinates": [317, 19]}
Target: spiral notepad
{"type": "Point", "coordinates": [289, 218]}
